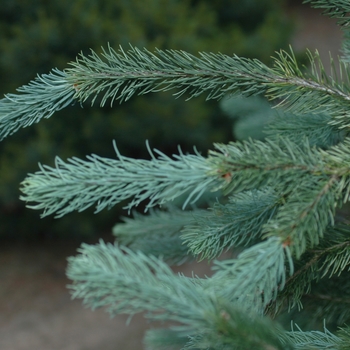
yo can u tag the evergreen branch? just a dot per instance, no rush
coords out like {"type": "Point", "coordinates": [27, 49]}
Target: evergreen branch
{"type": "Point", "coordinates": [313, 183]}
{"type": "Point", "coordinates": [39, 99]}
{"type": "Point", "coordinates": [338, 157]}
{"type": "Point", "coordinates": [314, 340]}
{"type": "Point", "coordinates": [344, 335]}
{"type": "Point", "coordinates": [78, 184]}
{"type": "Point", "coordinates": [124, 74]}
{"type": "Point", "coordinates": [315, 78]}
{"type": "Point", "coordinates": [130, 282]}
{"type": "Point", "coordinates": [105, 275]}
{"type": "Point", "coordinates": [254, 291]}
{"type": "Point", "coordinates": [337, 259]}
{"type": "Point", "coordinates": [237, 223]}
{"type": "Point", "coordinates": [313, 91]}
{"type": "Point", "coordinates": [254, 164]}
{"type": "Point", "coordinates": [308, 210]}
{"type": "Point", "coordinates": [339, 9]}
{"type": "Point", "coordinates": [156, 234]}
{"type": "Point", "coordinates": [331, 257]}
{"type": "Point", "coordinates": [120, 75]}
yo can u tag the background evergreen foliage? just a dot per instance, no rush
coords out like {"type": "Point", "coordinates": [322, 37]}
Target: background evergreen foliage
{"type": "Point", "coordinates": [37, 35]}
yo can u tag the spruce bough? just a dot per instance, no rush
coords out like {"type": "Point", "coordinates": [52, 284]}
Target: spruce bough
{"type": "Point", "coordinates": [278, 201]}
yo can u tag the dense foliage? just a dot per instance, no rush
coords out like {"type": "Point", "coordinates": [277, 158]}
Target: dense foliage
{"type": "Point", "coordinates": [274, 205]}
{"type": "Point", "coordinates": [37, 35]}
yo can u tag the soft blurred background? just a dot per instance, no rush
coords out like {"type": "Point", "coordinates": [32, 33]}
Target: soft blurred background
{"type": "Point", "coordinates": [37, 35]}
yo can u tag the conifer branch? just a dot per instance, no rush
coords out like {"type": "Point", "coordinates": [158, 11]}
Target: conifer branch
{"type": "Point", "coordinates": [130, 282]}
{"type": "Point", "coordinates": [313, 91]}
{"type": "Point", "coordinates": [315, 340]}
{"type": "Point", "coordinates": [120, 75]}
{"type": "Point", "coordinates": [235, 224]}
{"type": "Point", "coordinates": [78, 184]}
{"type": "Point", "coordinates": [265, 162]}
{"type": "Point", "coordinates": [338, 9]}
{"type": "Point", "coordinates": [41, 98]}
{"type": "Point", "coordinates": [269, 261]}
{"type": "Point", "coordinates": [312, 183]}
{"type": "Point", "coordinates": [344, 335]}
{"type": "Point", "coordinates": [316, 267]}
{"type": "Point", "coordinates": [119, 278]}
{"type": "Point", "coordinates": [312, 207]}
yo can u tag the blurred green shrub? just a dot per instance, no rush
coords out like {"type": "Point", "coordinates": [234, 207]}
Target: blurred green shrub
{"type": "Point", "coordinates": [38, 34]}
{"type": "Point", "coordinates": [250, 115]}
